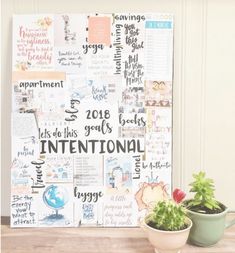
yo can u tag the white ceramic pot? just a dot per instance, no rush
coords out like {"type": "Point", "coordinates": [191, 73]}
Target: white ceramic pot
{"type": "Point", "coordinates": [167, 241]}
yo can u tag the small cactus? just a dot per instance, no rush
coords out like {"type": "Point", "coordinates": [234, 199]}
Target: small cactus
{"type": "Point", "coordinates": [168, 215]}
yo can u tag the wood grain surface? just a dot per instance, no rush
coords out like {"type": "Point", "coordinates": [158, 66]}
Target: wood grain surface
{"type": "Point", "coordinates": [93, 240]}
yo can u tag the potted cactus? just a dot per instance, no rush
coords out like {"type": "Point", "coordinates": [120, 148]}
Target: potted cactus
{"type": "Point", "coordinates": [167, 225]}
{"type": "Point", "coordinates": [208, 214]}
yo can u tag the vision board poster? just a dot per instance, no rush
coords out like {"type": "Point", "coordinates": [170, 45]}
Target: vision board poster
{"type": "Point", "coordinates": [91, 118]}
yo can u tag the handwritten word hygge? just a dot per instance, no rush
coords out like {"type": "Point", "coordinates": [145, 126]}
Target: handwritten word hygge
{"type": "Point", "coordinates": [87, 196]}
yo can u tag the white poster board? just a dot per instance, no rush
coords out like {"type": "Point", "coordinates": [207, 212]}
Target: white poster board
{"type": "Point", "coordinates": [91, 118]}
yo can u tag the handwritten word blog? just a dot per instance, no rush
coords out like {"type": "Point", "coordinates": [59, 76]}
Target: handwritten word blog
{"type": "Point", "coordinates": [73, 110]}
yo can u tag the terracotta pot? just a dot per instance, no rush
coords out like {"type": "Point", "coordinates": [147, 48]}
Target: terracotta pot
{"type": "Point", "coordinates": [167, 241]}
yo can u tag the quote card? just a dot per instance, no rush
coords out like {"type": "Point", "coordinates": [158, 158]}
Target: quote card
{"type": "Point", "coordinates": [33, 43]}
{"type": "Point", "coordinates": [91, 118]}
{"type": "Point", "coordinates": [99, 30]}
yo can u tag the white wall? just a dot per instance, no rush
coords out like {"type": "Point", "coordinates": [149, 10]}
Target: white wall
{"type": "Point", "coordinates": [204, 85]}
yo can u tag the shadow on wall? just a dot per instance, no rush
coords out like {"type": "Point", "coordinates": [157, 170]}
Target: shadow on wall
{"type": "Point", "coordinates": [6, 117]}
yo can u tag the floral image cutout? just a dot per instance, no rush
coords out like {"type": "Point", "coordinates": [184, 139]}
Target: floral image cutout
{"type": "Point", "coordinates": [149, 194]}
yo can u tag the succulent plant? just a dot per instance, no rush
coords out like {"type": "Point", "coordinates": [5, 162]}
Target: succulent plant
{"type": "Point", "coordinates": [204, 194]}
{"type": "Point", "coordinates": [168, 215]}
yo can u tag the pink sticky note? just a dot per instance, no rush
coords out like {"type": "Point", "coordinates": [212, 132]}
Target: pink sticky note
{"type": "Point", "coordinates": [99, 30]}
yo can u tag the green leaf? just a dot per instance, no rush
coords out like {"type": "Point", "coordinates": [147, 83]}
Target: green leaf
{"type": "Point", "coordinates": [204, 191]}
{"type": "Point", "coordinates": [208, 205]}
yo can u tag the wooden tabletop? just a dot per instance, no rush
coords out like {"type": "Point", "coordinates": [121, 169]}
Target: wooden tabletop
{"type": "Point", "coordinates": [93, 240]}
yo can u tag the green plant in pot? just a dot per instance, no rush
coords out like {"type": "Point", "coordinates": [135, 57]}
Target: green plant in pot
{"type": "Point", "coordinates": [208, 214]}
{"type": "Point", "coordinates": [167, 225]}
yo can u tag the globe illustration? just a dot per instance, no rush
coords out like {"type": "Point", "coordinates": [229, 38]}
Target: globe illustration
{"type": "Point", "coordinates": [55, 197]}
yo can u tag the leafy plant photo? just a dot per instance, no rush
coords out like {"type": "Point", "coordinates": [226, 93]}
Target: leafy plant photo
{"type": "Point", "coordinates": [204, 200]}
